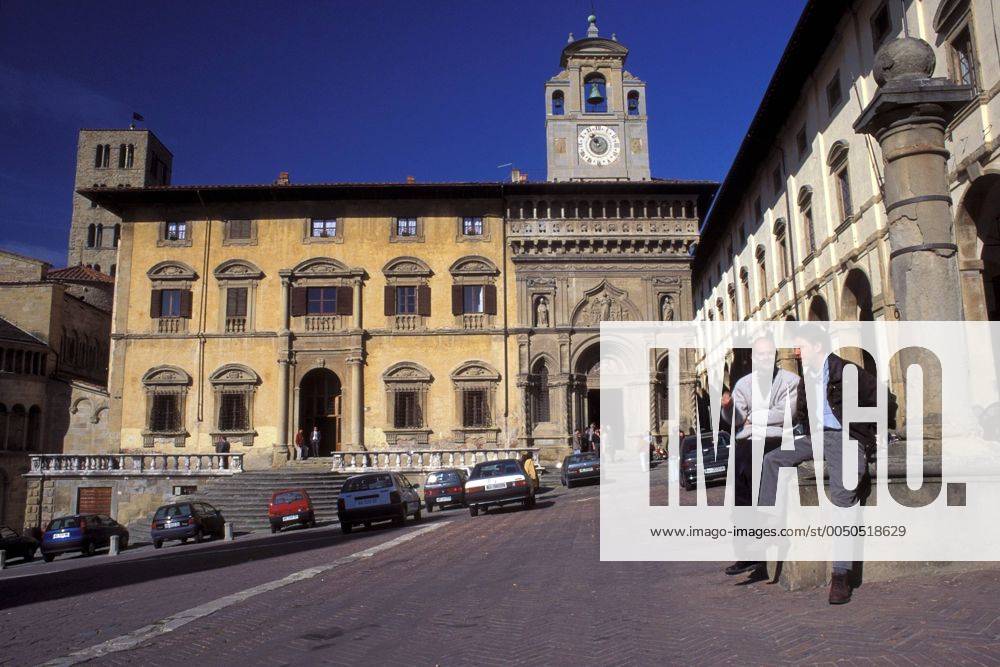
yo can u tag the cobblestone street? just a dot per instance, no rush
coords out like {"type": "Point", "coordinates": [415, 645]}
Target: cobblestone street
{"type": "Point", "coordinates": [508, 587]}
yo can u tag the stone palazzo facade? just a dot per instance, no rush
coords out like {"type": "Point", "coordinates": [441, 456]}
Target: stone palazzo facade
{"type": "Point", "coordinates": [406, 316]}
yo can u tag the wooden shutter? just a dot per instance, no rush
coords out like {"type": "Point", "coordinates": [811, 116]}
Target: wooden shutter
{"type": "Point", "coordinates": [186, 303]}
{"type": "Point", "coordinates": [424, 300]}
{"type": "Point", "coordinates": [300, 301]}
{"type": "Point", "coordinates": [155, 301]}
{"type": "Point", "coordinates": [490, 299]}
{"type": "Point", "coordinates": [345, 300]}
{"type": "Point", "coordinates": [457, 303]}
{"type": "Point", "coordinates": [236, 302]}
{"type": "Point", "coordinates": [390, 300]}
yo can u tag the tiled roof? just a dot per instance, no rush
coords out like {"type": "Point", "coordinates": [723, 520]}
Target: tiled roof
{"type": "Point", "coordinates": [14, 333]}
{"type": "Point", "coordinates": [79, 273]}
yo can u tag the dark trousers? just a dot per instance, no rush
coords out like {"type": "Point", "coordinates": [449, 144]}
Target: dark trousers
{"type": "Point", "coordinates": [743, 460]}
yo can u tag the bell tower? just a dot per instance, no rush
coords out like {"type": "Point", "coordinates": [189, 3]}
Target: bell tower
{"type": "Point", "coordinates": [595, 119]}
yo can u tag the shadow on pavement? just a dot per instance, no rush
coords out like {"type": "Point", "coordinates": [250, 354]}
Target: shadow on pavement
{"type": "Point", "coordinates": [176, 560]}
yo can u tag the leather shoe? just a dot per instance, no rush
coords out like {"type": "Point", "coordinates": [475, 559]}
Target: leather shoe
{"type": "Point", "coordinates": [741, 566]}
{"type": "Point", "coordinates": [840, 588]}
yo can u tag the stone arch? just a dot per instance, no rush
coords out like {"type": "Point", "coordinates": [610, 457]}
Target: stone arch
{"type": "Point", "coordinates": [818, 310]}
{"type": "Point", "coordinates": [856, 297]}
{"type": "Point", "coordinates": [979, 247]}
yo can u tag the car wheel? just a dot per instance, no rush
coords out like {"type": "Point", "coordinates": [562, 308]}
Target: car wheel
{"type": "Point", "coordinates": [473, 510]}
{"type": "Point", "coordinates": [312, 522]}
{"type": "Point", "coordinates": [562, 481]}
{"type": "Point", "coordinates": [345, 528]}
{"type": "Point", "coordinates": [123, 544]}
{"type": "Point", "coordinates": [274, 529]}
{"type": "Point", "coordinates": [89, 549]}
{"type": "Point", "coordinates": [157, 544]}
{"type": "Point", "coordinates": [48, 558]}
{"type": "Point", "coordinates": [688, 486]}
{"type": "Point", "coordinates": [184, 540]}
{"type": "Point", "coordinates": [199, 536]}
{"type": "Point", "coordinates": [569, 484]}
{"type": "Point", "coordinates": [29, 555]}
{"type": "Point", "coordinates": [416, 515]}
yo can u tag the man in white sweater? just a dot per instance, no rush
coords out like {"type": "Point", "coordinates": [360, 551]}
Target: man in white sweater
{"type": "Point", "coordinates": [783, 388]}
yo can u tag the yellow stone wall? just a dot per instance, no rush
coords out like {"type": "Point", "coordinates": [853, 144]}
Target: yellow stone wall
{"type": "Point", "coordinates": [279, 247]}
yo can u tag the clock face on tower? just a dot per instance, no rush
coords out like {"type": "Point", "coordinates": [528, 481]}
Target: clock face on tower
{"type": "Point", "coordinates": [599, 145]}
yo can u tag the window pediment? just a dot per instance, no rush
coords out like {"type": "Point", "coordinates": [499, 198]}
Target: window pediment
{"type": "Point", "coordinates": [236, 374]}
{"type": "Point", "coordinates": [406, 371]}
{"type": "Point", "coordinates": [166, 376]}
{"type": "Point", "coordinates": [474, 266]}
{"type": "Point", "coordinates": [475, 371]}
{"type": "Point", "coordinates": [172, 270]}
{"type": "Point", "coordinates": [238, 269]}
{"type": "Point", "coordinates": [837, 154]}
{"type": "Point", "coordinates": [323, 267]}
{"type": "Point", "coordinates": [805, 195]}
{"type": "Point", "coordinates": [406, 267]}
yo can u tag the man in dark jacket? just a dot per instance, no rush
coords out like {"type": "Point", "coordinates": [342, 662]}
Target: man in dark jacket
{"type": "Point", "coordinates": [826, 371]}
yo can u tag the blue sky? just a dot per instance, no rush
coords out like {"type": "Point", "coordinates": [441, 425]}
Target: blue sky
{"type": "Point", "coordinates": [353, 91]}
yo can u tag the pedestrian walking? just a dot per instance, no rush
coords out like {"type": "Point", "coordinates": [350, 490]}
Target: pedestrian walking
{"type": "Point", "coordinates": [222, 447]}
{"type": "Point", "coordinates": [529, 468]}
{"type": "Point", "coordinates": [298, 452]}
{"type": "Point", "coordinates": [314, 441]}
{"type": "Point", "coordinates": [578, 444]}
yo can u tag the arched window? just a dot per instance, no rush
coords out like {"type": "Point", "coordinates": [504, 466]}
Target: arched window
{"type": "Point", "coordinates": [595, 94]}
{"type": "Point", "coordinates": [784, 265]}
{"type": "Point", "coordinates": [761, 272]}
{"type": "Point", "coordinates": [838, 163]}
{"type": "Point", "coordinates": [118, 234]}
{"type": "Point", "coordinates": [234, 387]}
{"type": "Point", "coordinates": [808, 223]}
{"type": "Point", "coordinates": [558, 103]}
{"type": "Point", "coordinates": [99, 238]}
{"type": "Point", "coordinates": [91, 235]}
{"type": "Point", "coordinates": [97, 267]}
{"type": "Point", "coordinates": [166, 393]}
{"type": "Point", "coordinates": [34, 430]}
{"type": "Point", "coordinates": [745, 288]}
{"type": "Point", "coordinates": [633, 103]}
{"type": "Point", "coordinates": [540, 405]}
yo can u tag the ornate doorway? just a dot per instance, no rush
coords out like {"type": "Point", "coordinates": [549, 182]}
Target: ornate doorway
{"type": "Point", "coordinates": [320, 394]}
{"type": "Point", "coordinates": [588, 368]}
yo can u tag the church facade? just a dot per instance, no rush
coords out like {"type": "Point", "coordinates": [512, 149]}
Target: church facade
{"type": "Point", "coordinates": [402, 316]}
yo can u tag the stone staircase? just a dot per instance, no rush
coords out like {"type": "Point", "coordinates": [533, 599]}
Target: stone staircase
{"type": "Point", "coordinates": [243, 498]}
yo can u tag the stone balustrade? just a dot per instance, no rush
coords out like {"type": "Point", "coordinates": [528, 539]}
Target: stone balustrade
{"type": "Point", "coordinates": [423, 460]}
{"type": "Point", "coordinates": [49, 465]}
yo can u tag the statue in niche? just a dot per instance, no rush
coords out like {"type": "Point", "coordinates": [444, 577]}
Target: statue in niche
{"type": "Point", "coordinates": [667, 309]}
{"type": "Point", "coordinates": [542, 312]}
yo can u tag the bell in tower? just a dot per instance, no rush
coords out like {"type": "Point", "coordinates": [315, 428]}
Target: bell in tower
{"type": "Point", "coordinates": [594, 96]}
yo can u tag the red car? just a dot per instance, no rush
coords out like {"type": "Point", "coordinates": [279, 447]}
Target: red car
{"type": "Point", "coordinates": [290, 507]}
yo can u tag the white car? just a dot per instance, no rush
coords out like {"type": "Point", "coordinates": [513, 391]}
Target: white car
{"type": "Point", "coordinates": [498, 483]}
{"type": "Point", "coordinates": [379, 496]}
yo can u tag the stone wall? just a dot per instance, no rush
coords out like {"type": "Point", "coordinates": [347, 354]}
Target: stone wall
{"type": "Point", "coordinates": [17, 268]}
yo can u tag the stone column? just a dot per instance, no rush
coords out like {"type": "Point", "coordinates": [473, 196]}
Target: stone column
{"type": "Point", "coordinates": [908, 117]}
{"type": "Point", "coordinates": [357, 363]}
{"type": "Point", "coordinates": [282, 447]}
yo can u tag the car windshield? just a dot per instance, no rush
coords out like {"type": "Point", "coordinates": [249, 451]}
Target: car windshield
{"type": "Point", "coordinates": [368, 483]}
{"type": "Point", "coordinates": [496, 469]}
{"type": "Point", "coordinates": [584, 458]}
{"type": "Point", "coordinates": [64, 522]}
{"type": "Point", "coordinates": [173, 510]}
{"type": "Point", "coordinates": [287, 497]}
{"type": "Point", "coordinates": [444, 477]}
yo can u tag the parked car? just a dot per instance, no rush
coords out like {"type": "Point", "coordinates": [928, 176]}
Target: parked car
{"type": "Point", "coordinates": [17, 545]}
{"type": "Point", "coordinates": [290, 507]}
{"type": "Point", "coordinates": [579, 468]}
{"type": "Point", "coordinates": [186, 520]}
{"type": "Point", "coordinates": [714, 460]}
{"type": "Point", "coordinates": [376, 497]}
{"type": "Point", "coordinates": [445, 487]}
{"type": "Point", "coordinates": [498, 483]}
{"type": "Point", "coordinates": [85, 533]}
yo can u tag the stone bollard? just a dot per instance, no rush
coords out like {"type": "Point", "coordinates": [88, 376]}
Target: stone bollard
{"type": "Point", "coordinates": [113, 547]}
{"type": "Point", "coordinates": [3, 559]}
{"type": "Point", "coordinates": [229, 532]}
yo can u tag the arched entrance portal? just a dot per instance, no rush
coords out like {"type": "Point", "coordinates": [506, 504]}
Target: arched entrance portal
{"type": "Point", "coordinates": [818, 312]}
{"type": "Point", "coordinates": [588, 369]}
{"type": "Point", "coordinates": [856, 300]}
{"type": "Point", "coordinates": [319, 405]}
{"type": "Point", "coordinates": [978, 232]}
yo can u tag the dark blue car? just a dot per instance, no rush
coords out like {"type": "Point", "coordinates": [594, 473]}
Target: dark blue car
{"type": "Point", "coordinates": [580, 468]}
{"type": "Point", "coordinates": [188, 520]}
{"type": "Point", "coordinates": [85, 533]}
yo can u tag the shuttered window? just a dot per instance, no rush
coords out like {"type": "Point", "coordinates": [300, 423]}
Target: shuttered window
{"type": "Point", "coordinates": [236, 302]}
{"type": "Point", "coordinates": [406, 412]}
{"type": "Point", "coordinates": [321, 300]}
{"type": "Point", "coordinates": [170, 303]}
{"type": "Point", "coordinates": [240, 229]}
{"type": "Point", "coordinates": [406, 300]}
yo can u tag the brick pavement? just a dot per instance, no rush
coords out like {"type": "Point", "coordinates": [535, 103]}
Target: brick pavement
{"type": "Point", "coordinates": [527, 587]}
